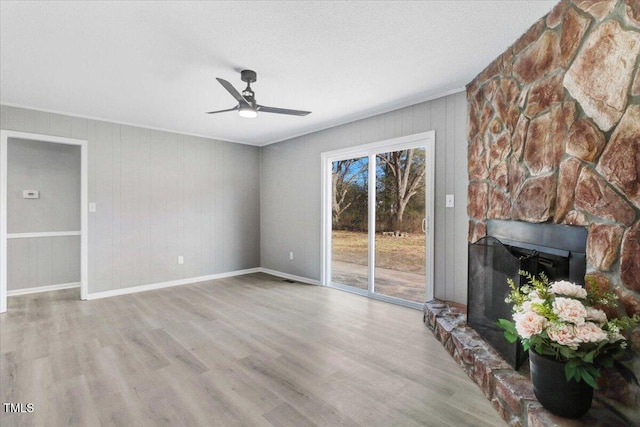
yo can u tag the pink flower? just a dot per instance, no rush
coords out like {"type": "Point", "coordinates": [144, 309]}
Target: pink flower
{"type": "Point", "coordinates": [569, 289]}
{"type": "Point", "coordinates": [565, 335]}
{"type": "Point", "coordinates": [590, 332]}
{"type": "Point", "coordinates": [529, 324]}
{"type": "Point", "coordinates": [570, 310]}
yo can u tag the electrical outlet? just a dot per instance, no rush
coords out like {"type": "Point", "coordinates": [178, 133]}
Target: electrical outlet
{"type": "Point", "coordinates": [92, 207]}
{"type": "Point", "coordinates": [450, 201]}
{"type": "Point", "coordinates": [291, 255]}
{"type": "Point", "coordinates": [180, 259]}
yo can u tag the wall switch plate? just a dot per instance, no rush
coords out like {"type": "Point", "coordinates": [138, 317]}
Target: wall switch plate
{"type": "Point", "coordinates": [291, 255]}
{"type": "Point", "coordinates": [30, 194]}
{"type": "Point", "coordinates": [92, 207]}
{"type": "Point", "coordinates": [450, 201]}
{"type": "Point", "coordinates": [180, 259]}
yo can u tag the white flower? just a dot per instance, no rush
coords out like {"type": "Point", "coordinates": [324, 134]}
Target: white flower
{"type": "Point", "coordinates": [526, 306]}
{"type": "Point", "coordinates": [534, 297]}
{"type": "Point", "coordinates": [570, 310]}
{"type": "Point", "coordinates": [564, 335]}
{"type": "Point", "coordinates": [569, 289]}
{"type": "Point", "coordinates": [529, 324]}
{"type": "Point", "coordinates": [614, 334]}
{"type": "Point", "coordinates": [590, 332]}
{"type": "Point", "coordinates": [616, 337]}
{"type": "Point", "coordinates": [597, 316]}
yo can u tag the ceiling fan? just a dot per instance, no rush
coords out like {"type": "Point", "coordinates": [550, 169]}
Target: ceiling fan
{"type": "Point", "coordinates": [247, 106]}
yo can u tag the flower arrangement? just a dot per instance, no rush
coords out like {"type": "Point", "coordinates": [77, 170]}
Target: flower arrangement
{"type": "Point", "coordinates": [561, 320]}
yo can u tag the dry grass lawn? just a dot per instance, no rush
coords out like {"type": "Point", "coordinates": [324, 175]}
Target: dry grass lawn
{"type": "Point", "coordinates": [395, 253]}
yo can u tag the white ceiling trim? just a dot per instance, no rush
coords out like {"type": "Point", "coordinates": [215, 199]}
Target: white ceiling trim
{"type": "Point", "coordinates": [123, 123]}
{"type": "Point", "coordinates": [351, 120]}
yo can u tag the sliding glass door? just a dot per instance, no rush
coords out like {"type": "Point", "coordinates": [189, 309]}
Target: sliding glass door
{"type": "Point", "coordinates": [400, 237]}
{"type": "Point", "coordinates": [377, 206]}
{"type": "Point", "coordinates": [350, 227]}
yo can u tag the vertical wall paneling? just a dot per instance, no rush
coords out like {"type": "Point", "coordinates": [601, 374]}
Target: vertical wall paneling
{"type": "Point", "coordinates": [217, 202]}
{"type": "Point", "coordinates": [459, 264]}
{"type": "Point", "coordinates": [104, 138]}
{"type": "Point", "coordinates": [4, 113]}
{"type": "Point", "coordinates": [16, 120]}
{"type": "Point", "coordinates": [450, 173]}
{"type": "Point", "coordinates": [291, 186]}
{"type": "Point", "coordinates": [158, 195]}
{"type": "Point", "coordinates": [439, 122]}
{"type": "Point", "coordinates": [60, 125]}
{"type": "Point", "coordinates": [227, 206]}
{"type": "Point", "coordinates": [159, 206]}
{"type": "Point", "coordinates": [19, 250]}
{"type": "Point", "coordinates": [41, 122]}
{"type": "Point", "coordinates": [130, 192]}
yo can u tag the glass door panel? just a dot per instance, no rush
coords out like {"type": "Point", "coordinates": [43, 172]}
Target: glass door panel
{"type": "Point", "coordinates": [400, 240]}
{"type": "Point", "coordinates": [349, 231]}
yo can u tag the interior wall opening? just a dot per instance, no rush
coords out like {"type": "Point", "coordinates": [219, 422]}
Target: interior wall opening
{"type": "Point", "coordinates": [43, 231]}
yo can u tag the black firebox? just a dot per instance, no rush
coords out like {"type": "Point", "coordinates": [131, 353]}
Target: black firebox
{"type": "Point", "coordinates": [559, 251]}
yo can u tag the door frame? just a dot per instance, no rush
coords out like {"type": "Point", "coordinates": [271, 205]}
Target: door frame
{"type": "Point", "coordinates": [84, 189]}
{"type": "Point", "coordinates": [425, 139]}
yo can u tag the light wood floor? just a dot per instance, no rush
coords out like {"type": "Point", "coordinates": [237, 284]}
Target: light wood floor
{"type": "Point", "coordinates": [250, 350]}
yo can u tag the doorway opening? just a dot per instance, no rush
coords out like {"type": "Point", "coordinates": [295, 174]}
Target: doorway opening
{"type": "Point", "coordinates": [56, 243]}
{"type": "Point", "coordinates": [377, 210]}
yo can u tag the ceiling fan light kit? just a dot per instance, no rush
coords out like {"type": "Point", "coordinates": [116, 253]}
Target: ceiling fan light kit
{"type": "Point", "coordinates": [247, 106]}
{"type": "Point", "coordinates": [247, 112]}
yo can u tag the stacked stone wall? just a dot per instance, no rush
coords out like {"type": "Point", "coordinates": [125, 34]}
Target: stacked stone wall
{"type": "Point", "coordinates": [554, 136]}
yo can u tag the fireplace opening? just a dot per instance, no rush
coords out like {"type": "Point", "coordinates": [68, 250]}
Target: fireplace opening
{"type": "Point", "coordinates": [558, 251]}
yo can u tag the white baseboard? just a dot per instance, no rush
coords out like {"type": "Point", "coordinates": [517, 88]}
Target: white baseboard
{"type": "Point", "coordinates": [290, 276]}
{"type": "Point", "coordinates": [161, 285]}
{"type": "Point", "coordinates": [37, 289]}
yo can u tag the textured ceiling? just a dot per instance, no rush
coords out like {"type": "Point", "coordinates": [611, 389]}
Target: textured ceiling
{"type": "Point", "coordinates": [153, 63]}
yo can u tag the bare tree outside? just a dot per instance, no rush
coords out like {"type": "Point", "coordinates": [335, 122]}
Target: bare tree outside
{"type": "Point", "coordinates": [350, 221]}
{"type": "Point", "coordinates": [403, 176]}
{"type": "Point", "coordinates": [349, 182]}
{"type": "Point", "coordinates": [399, 211]}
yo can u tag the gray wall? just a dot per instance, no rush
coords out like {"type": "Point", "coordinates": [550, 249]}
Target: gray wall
{"type": "Point", "coordinates": [228, 207]}
{"type": "Point", "coordinates": [53, 170]}
{"type": "Point", "coordinates": [160, 195]}
{"type": "Point", "coordinates": [42, 261]}
{"type": "Point", "coordinates": [290, 190]}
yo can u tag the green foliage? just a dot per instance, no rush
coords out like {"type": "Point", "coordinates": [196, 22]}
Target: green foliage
{"type": "Point", "coordinates": [533, 307]}
{"type": "Point", "coordinates": [510, 332]}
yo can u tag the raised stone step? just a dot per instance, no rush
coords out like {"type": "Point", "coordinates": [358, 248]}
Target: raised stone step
{"type": "Point", "coordinates": [509, 391]}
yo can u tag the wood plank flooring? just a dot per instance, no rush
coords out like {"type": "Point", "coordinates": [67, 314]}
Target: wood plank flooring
{"type": "Point", "coordinates": [250, 350]}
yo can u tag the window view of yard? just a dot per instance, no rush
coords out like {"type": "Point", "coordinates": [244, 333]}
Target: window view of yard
{"type": "Point", "coordinates": [399, 238]}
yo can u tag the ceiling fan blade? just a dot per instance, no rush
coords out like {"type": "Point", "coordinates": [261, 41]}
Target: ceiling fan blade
{"type": "Point", "coordinates": [264, 109]}
{"type": "Point", "coordinates": [232, 90]}
{"type": "Point", "coordinates": [222, 111]}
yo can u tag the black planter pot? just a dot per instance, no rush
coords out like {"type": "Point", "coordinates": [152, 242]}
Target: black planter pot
{"type": "Point", "coordinates": [569, 399]}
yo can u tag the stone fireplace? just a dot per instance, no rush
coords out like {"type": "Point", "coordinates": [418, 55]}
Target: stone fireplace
{"type": "Point", "coordinates": [554, 138]}
{"type": "Point", "coordinates": [556, 250]}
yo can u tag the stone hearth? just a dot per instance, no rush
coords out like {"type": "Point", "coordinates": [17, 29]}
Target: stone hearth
{"type": "Point", "coordinates": [509, 391]}
{"type": "Point", "coordinates": [554, 137]}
